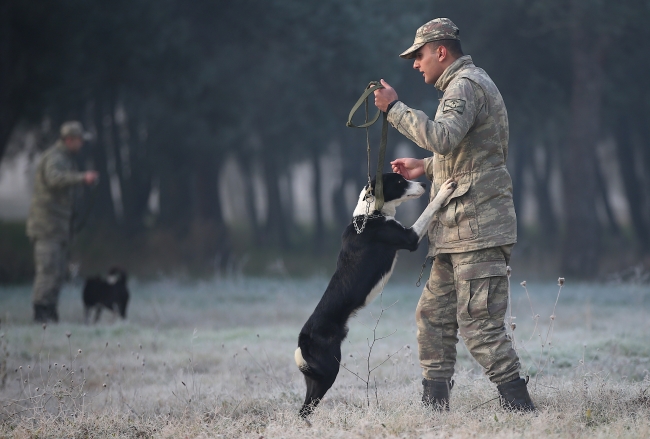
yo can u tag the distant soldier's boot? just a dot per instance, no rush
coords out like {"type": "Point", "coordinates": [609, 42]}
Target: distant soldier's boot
{"type": "Point", "coordinates": [514, 396]}
{"type": "Point", "coordinates": [45, 314]}
{"type": "Point", "coordinates": [53, 314]}
{"type": "Point", "coordinates": [40, 314]}
{"type": "Point", "coordinates": [436, 394]}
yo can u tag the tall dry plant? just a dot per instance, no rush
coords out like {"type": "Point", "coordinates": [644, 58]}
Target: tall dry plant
{"type": "Point", "coordinates": [50, 389]}
{"type": "Point", "coordinates": [545, 340]}
{"type": "Point", "coordinates": [368, 377]}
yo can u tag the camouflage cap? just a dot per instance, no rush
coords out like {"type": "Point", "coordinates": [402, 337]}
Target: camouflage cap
{"type": "Point", "coordinates": [434, 30]}
{"type": "Point", "coordinates": [74, 128]}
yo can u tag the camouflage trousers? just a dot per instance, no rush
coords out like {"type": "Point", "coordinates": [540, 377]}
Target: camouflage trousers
{"type": "Point", "coordinates": [51, 259]}
{"type": "Point", "coordinates": [466, 292]}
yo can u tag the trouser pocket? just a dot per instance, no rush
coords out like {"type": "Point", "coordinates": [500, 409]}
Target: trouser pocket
{"type": "Point", "coordinates": [50, 258]}
{"type": "Point", "coordinates": [482, 289]}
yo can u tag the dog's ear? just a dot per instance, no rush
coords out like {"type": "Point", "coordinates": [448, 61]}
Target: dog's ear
{"type": "Point", "coordinates": [370, 191]}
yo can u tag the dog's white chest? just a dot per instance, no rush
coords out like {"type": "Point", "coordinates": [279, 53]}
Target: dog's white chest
{"type": "Point", "coordinates": [379, 287]}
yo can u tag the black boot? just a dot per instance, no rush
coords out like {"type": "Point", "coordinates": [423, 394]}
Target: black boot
{"type": "Point", "coordinates": [45, 314]}
{"type": "Point", "coordinates": [53, 314]}
{"type": "Point", "coordinates": [39, 314]}
{"type": "Point", "coordinates": [436, 394]}
{"type": "Point", "coordinates": [514, 396]}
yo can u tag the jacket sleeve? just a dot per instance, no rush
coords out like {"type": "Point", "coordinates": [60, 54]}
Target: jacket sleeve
{"type": "Point", "coordinates": [444, 133]}
{"type": "Point", "coordinates": [56, 174]}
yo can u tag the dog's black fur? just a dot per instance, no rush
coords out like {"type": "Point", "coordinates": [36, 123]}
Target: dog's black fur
{"type": "Point", "coordinates": [110, 292]}
{"type": "Point", "coordinates": [364, 265]}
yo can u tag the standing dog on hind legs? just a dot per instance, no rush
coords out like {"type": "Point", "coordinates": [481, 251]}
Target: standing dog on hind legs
{"type": "Point", "coordinates": [365, 263]}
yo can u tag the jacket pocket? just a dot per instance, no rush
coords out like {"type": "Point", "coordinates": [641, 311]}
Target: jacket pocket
{"type": "Point", "coordinates": [459, 220]}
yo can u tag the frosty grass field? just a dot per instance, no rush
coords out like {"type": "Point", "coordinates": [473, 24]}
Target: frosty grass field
{"type": "Point", "coordinates": [215, 359]}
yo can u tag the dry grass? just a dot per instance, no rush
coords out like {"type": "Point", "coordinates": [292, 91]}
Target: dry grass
{"type": "Point", "coordinates": [215, 359]}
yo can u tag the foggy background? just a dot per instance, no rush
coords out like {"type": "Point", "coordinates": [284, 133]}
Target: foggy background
{"type": "Point", "coordinates": [220, 138]}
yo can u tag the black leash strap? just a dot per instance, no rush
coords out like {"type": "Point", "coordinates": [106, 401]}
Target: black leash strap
{"type": "Point", "coordinates": [428, 259]}
{"type": "Point", "coordinates": [76, 227]}
{"type": "Point", "coordinates": [379, 184]}
{"type": "Point", "coordinates": [374, 85]}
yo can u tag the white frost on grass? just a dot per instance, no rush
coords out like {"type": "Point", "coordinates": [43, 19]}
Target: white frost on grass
{"type": "Point", "coordinates": [215, 359]}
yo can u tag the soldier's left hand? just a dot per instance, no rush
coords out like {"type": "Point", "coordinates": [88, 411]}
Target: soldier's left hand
{"type": "Point", "coordinates": [385, 96]}
{"type": "Point", "coordinates": [90, 177]}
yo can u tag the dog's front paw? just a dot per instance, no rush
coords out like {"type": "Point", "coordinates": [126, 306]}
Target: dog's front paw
{"type": "Point", "coordinates": [448, 187]}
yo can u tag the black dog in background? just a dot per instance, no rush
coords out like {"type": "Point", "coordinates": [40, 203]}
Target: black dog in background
{"type": "Point", "coordinates": [110, 292]}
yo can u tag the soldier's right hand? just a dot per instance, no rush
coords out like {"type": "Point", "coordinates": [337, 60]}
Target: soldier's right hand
{"type": "Point", "coordinates": [90, 177]}
{"type": "Point", "coordinates": [408, 168]}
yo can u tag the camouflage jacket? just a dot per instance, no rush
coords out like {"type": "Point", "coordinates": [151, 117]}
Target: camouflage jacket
{"type": "Point", "coordinates": [52, 202]}
{"type": "Point", "coordinates": [469, 141]}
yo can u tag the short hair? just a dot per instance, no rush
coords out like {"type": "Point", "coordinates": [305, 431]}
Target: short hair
{"type": "Point", "coordinates": [452, 46]}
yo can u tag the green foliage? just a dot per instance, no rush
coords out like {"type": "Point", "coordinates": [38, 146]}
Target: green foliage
{"type": "Point", "coordinates": [172, 89]}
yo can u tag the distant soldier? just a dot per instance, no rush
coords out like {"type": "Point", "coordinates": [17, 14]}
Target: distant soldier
{"type": "Point", "coordinates": [472, 236]}
{"type": "Point", "coordinates": [50, 216]}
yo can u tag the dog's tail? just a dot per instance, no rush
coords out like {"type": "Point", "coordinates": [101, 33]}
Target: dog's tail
{"type": "Point", "coordinates": [300, 360]}
{"type": "Point", "coordinates": [303, 356]}
{"type": "Point", "coordinates": [302, 351]}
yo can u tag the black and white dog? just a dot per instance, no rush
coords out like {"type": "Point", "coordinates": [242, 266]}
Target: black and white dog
{"type": "Point", "coordinates": [365, 263]}
{"type": "Point", "coordinates": [110, 292]}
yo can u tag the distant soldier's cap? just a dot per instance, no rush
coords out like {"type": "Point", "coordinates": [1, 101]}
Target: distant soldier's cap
{"type": "Point", "coordinates": [437, 29]}
{"type": "Point", "coordinates": [74, 129]}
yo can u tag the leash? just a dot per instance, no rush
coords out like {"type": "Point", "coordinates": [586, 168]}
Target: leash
{"type": "Point", "coordinates": [76, 227]}
{"type": "Point", "coordinates": [379, 183]}
{"type": "Point", "coordinates": [428, 259]}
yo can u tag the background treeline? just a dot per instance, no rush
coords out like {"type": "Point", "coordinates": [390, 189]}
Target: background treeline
{"type": "Point", "coordinates": [174, 90]}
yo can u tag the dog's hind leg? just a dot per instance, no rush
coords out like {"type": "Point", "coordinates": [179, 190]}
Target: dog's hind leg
{"type": "Point", "coordinates": [98, 311]}
{"type": "Point", "coordinates": [316, 389]}
{"type": "Point", "coordinates": [115, 311]}
{"type": "Point", "coordinates": [310, 403]}
{"type": "Point", "coordinates": [320, 373]}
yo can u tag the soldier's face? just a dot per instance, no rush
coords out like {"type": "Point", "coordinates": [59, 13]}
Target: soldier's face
{"type": "Point", "coordinates": [73, 143]}
{"type": "Point", "coordinates": [430, 62]}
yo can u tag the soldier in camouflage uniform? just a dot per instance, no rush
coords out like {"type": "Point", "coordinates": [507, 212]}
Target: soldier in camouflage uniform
{"type": "Point", "coordinates": [471, 236]}
{"type": "Point", "coordinates": [50, 214]}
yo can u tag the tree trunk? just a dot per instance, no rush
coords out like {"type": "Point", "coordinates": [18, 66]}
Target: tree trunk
{"type": "Point", "coordinates": [644, 145]}
{"type": "Point", "coordinates": [244, 162]}
{"type": "Point", "coordinates": [547, 219]}
{"type": "Point", "coordinates": [140, 179]}
{"type": "Point", "coordinates": [175, 192]}
{"type": "Point", "coordinates": [132, 169]}
{"type": "Point", "coordinates": [208, 205]}
{"type": "Point", "coordinates": [319, 225]}
{"type": "Point", "coordinates": [214, 241]}
{"type": "Point", "coordinates": [103, 209]}
{"type": "Point", "coordinates": [601, 185]}
{"type": "Point", "coordinates": [519, 154]}
{"type": "Point", "coordinates": [7, 109]}
{"type": "Point", "coordinates": [633, 187]}
{"type": "Point", "coordinates": [276, 223]}
{"type": "Point", "coordinates": [582, 242]}
{"type": "Point", "coordinates": [115, 146]}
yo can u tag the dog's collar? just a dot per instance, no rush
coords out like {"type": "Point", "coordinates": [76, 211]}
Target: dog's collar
{"type": "Point", "coordinates": [364, 220]}
{"type": "Point", "coordinates": [374, 214]}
